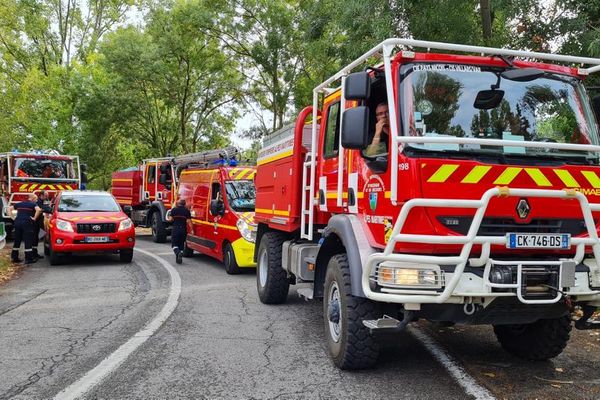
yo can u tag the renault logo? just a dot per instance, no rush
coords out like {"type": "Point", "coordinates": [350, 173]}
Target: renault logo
{"type": "Point", "coordinates": [523, 208]}
{"type": "Point", "coordinates": [96, 227]}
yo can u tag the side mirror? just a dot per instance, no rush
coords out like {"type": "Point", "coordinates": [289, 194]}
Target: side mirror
{"type": "Point", "coordinates": [596, 107]}
{"type": "Point", "coordinates": [217, 207]}
{"type": "Point", "coordinates": [357, 86]}
{"type": "Point", "coordinates": [355, 128]}
{"type": "Point", "coordinates": [127, 210]}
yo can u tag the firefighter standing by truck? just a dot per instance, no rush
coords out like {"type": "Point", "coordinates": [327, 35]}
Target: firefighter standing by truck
{"type": "Point", "coordinates": [179, 215]}
{"type": "Point", "coordinates": [39, 222]}
{"type": "Point", "coordinates": [27, 213]}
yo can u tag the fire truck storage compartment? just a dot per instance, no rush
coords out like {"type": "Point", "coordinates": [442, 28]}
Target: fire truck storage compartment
{"type": "Point", "coordinates": [278, 186]}
{"type": "Point", "coordinates": [296, 255]}
{"type": "Point", "coordinates": [126, 187]}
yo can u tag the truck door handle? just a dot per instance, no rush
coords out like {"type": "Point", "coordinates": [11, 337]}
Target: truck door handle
{"type": "Point", "coordinates": [321, 196]}
{"type": "Point", "coordinates": [351, 197]}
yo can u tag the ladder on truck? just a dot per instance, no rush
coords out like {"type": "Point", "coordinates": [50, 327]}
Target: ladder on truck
{"type": "Point", "coordinates": [206, 157]}
{"type": "Point", "coordinates": [309, 172]}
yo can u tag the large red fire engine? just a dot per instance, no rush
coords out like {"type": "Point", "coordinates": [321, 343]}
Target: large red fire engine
{"type": "Point", "coordinates": [479, 204]}
{"type": "Point", "coordinates": [148, 191]}
{"type": "Point", "coordinates": [23, 173]}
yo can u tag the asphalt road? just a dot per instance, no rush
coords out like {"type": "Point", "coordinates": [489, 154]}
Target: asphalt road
{"type": "Point", "coordinates": [58, 323]}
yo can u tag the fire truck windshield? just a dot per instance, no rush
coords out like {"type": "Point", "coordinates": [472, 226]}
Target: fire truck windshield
{"type": "Point", "coordinates": [42, 168]}
{"type": "Point", "coordinates": [241, 195]}
{"type": "Point", "coordinates": [476, 102]}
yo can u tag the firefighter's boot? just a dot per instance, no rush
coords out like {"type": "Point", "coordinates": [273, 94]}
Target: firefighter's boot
{"type": "Point", "coordinates": [14, 256]}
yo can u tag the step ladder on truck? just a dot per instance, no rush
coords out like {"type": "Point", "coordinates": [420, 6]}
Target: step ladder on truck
{"type": "Point", "coordinates": [458, 187]}
{"type": "Point", "coordinates": [147, 192]}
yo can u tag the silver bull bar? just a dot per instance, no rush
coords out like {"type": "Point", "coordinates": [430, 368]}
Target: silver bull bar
{"type": "Point", "coordinates": [462, 260]}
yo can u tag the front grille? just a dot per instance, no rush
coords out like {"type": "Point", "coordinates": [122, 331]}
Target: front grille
{"type": "Point", "coordinates": [500, 226]}
{"type": "Point", "coordinates": [96, 228]}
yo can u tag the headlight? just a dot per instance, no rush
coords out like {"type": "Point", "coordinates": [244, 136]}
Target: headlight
{"type": "Point", "coordinates": [63, 225]}
{"type": "Point", "coordinates": [410, 276]}
{"type": "Point", "coordinates": [125, 224]}
{"type": "Point", "coordinates": [248, 232]}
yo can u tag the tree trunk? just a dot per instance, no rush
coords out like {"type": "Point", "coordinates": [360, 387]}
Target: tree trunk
{"type": "Point", "coordinates": [486, 20]}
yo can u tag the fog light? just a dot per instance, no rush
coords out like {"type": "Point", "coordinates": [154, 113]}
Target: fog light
{"type": "Point", "coordinates": [130, 239]}
{"type": "Point", "coordinates": [59, 241]}
{"type": "Point", "coordinates": [409, 275]}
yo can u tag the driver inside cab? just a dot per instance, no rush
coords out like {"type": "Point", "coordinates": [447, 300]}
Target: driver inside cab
{"type": "Point", "coordinates": [382, 129]}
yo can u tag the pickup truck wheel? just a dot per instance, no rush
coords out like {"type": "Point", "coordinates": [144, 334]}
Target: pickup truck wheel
{"type": "Point", "coordinates": [187, 252]}
{"type": "Point", "coordinates": [271, 279]}
{"type": "Point", "coordinates": [159, 231]}
{"type": "Point", "coordinates": [541, 340]}
{"type": "Point", "coordinates": [231, 266]}
{"type": "Point", "coordinates": [126, 256]}
{"type": "Point", "coordinates": [349, 342]}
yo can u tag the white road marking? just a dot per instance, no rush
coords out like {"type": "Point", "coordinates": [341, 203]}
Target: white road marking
{"type": "Point", "coordinates": [166, 254]}
{"type": "Point", "coordinates": [112, 362]}
{"type": "Point", "coordinates": [466, 381]}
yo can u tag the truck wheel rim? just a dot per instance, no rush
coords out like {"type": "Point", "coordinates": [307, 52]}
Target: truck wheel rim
{"type": "Point", "coordinates": [335, 328]}
{"type": "Point", "coordinates": [262, 268]}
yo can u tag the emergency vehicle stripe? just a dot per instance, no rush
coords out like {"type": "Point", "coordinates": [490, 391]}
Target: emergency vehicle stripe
{"type": "Point", "coordinates": [285, 213]}
{"type": "Point", "coordinates": [275, 157]}
{"type": "Point", "coordinates": [242, 173]}
{"type": "Point", "coordinates": [476, 174]}
{"type": "Point", "coordinates": [251, 176]}
{"type": "Point", "coordinates": [233, 172]}
{"type": "Point", "coordinates": [122, 180]}
{"type": "Point", "coordinates": [33, 186]}
{"type": "Point", "coordinates": [592, 178]}
{"type": "Point", "coordinates": [443, 173]}
{"type": "Point", "coordinates": [23, 187]}
{"type": "Point", "coordinates": [538, 177]}
{"type": "Point", "coordinates": [199, 221]}
{"type": "Point", "coordinates": [198, 172]}
{"type": "Point", "coordinates": [507, 176]}
{"type": "Point", "coordinates": [566, 178]}
{"type": "Point", "coordinates": [273, 212]}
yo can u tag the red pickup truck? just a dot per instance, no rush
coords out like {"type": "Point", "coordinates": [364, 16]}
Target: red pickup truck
{"type": "Point", "coordinates": [88, 222]}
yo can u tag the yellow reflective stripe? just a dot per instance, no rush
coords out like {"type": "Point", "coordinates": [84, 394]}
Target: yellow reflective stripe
{"type": "Point", "coordinates": [33, 186]}
{"type": "Point", "coordinates": [23, 187]}
{"type": "Point", "coordinates": [242, 173]}
{"type": "Point", "coordinates": [284, 213]}
{"type": "Point", "coordinates": [233, 171]}
{"type": "Point", "coordinates": [538, 177]}
{"type": "Point", "coordinates": [592, 178]}
{"type": "Point", "coordinates": [198, 221]}
{"type": "Point", "coordinates": [566, 178]}
{"type": "Point", "coordinates": [507, 176]}
{"type": "Point", "coordinates": [272, 212]}
{"type": "Point", "coordinates": [251, 176]}
{"type": "Point", "coordinates": [202, 171]}
{"type": "Point", "coordinates": [275, 157]}
{"type": "Point", "coordinates": [442, 173]}
{"type": "Point", "coordinates": [476, 174]}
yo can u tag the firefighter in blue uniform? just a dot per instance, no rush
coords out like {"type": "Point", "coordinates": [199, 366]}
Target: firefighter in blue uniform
{"type": "Point", "coordinates": [27, 213]}
{"type": "Point", "coordinates": [179, 216]}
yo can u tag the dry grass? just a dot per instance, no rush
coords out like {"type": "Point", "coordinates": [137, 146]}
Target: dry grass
{"type": "Point", "coordinates": [7, 269]}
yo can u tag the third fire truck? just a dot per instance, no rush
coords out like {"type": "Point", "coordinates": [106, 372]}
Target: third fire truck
{"type": "Point", "coordinates": [459, 188]}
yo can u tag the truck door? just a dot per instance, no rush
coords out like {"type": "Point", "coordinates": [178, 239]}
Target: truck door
{"type": "Point", "coordinates": [328, 165]}
{"type": "Point", "coordinates": [150, 181]}
{"type": "Point", "coordinates": [212, 231]}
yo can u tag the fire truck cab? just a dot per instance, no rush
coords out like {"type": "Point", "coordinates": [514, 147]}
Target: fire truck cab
{"type": "Point", "coordinates": [23, 173]}
{"type": "Point", "coordinates": [446, 187]}
{"type": "Point", "coordinates": [221, 201]}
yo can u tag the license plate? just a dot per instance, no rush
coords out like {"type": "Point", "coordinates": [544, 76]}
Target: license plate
{"type": "Point", "coordinates": [96, 239]}
{"type": "Point", "coordinates": [538, 241]}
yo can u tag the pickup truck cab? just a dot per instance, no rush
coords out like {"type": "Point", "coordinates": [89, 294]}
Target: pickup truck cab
{"type": "Point", "coordinates": [88, 222]}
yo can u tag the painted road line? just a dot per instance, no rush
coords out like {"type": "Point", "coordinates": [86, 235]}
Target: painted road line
{"type": "Point", "coordinates": [466, 381]}
{"type": "Point", "coordinates": [114, 360]}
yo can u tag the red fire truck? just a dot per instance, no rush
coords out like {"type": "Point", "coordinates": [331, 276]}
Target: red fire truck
{"type": "Point", "coordinates": [148, 191]}
{"type": "Point", "coordinates": [446, 187]}
{"type": "Point", "coordinates": [23, 173]}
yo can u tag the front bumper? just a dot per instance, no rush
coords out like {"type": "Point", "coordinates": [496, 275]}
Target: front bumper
{"type": "Point", "coordinates": [467, 280]}
{"type": "Point", "coordinates": [70, 242]}
{"type": "Point", "coordinates": [244, 253]}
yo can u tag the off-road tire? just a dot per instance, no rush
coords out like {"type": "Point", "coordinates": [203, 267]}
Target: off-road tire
{"type": "Point", "coordinates": [187, 252]}
{"type": "Point", "coordinates": [272, 288]}
{"type": "Point", "coordinates": [231, 266]}
{"type": "Point", "coordinates": [541, 340]}
{"type": "Point", "coordinates": [159, 230]}
{"type": "Point", "coordinates": [126, 256]}
{"type": "Point", "coordinates": [55, 258]}
{"type": "Point", "coordinates": [356, 348]}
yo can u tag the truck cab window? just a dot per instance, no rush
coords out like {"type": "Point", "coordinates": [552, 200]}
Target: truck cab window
{"type": "Point", "coordinates": [151, 174]}
{"type": "Point", "coordinates": [331, 141]}
{"type": "Point", "coordinates": [215, 191]}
